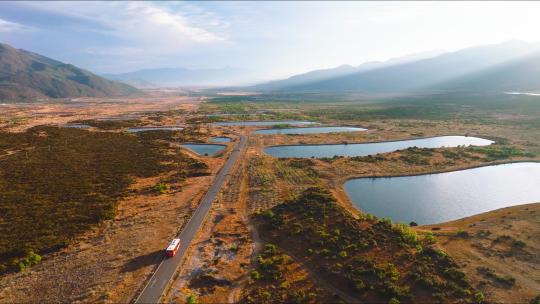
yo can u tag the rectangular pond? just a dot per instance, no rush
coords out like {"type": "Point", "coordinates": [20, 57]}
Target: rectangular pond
{"type": "Point", "coordinates": [442, 197]}
{"type": "Point", "coordinates": [308, 130]}
{"type": "Point", "coordinates": [220, 139]}
{"type": "Point", "coordinates": [263, 123]}
{"type": "Point", "coordinates": [77, 126]}
{"type": "Point", "coordinates": [143, 129]}
{"type": "Point", "coordinates": [320, 151]}
{"type": "Point", "coordinates": [205, 149]}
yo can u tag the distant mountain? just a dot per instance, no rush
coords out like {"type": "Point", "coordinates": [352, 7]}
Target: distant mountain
{"type": "Point", "coordinates": [519, 75]}
{"type": "Point", "coordinates": [25, 75]}
{"type": "Point", "coordinates": [343, 70]}
{"type": "Point", "coordinates": [426, 74]}
{"type": "Point", "coordinates": [177, 77]}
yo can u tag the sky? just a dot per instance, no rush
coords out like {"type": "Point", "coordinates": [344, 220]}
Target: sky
{"type": "Point", "coordinates": [272, 39]}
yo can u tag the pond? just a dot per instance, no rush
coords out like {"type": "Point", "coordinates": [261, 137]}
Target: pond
{"type": "Point", "coordinates": [77, 126]}
{"type": "Point", "coordinates": [263, 123]}
{"type": "Point", "coordinates": [220, 139]}
{"type": "Point", "coordinates": [365, 149]}
{"type": "Point", "coordinates": [442, 197]}
{"type": "Point", "coordinates": [143, 129]}
{"type": "Point", "coordinates": [204, 149]}
{"type": "Point", "coordinates": [309, 130]}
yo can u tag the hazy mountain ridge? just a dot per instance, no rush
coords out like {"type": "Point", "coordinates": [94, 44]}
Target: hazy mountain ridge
{"type": "Point", "coordinates": [434, 73]}
{"type": "Point", "coordinates": [343, 70]}
{"type": "Point", "coordinates": [186, 77]}
{"type": "Point", "coordinates": [25, 75]}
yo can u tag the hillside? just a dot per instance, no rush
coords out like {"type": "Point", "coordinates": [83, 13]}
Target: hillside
{"type": "Point", "coordinates": [433, 73]}
{"type": "Point", "coordinates": [25, 75]}
{"type": "Point", "coordinates": [518, 75]}
{"type": "Point", "coordinates": [368, 259]}
{"type": "Point", "coordinates": [342, 70]}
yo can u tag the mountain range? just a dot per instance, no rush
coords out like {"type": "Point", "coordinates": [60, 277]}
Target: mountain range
{"type": "Point", "coordinates": [178, 77]}
{"type": "Point", "coordinates": [512, 65]}
{"type": "Point", "coordinates": [28, 76]}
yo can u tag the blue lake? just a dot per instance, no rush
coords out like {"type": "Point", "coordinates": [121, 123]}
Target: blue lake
{"type": "Point", "coordinates": [310, 130]}
{"type": "Point", "coordinates": [143, 129]}
{"type": "Point", "coordinates": [319, 151]}
{"type": "Point", "coordinates": [205, 149]}
{"type": "Point", "coordinates": [77, 126]}
{"type": "Point", "coordinates": [220, 139]}
{"type": "Point", "coordinates": [263, 123]}
{"type": "Point", "coordinates": [442, 197]}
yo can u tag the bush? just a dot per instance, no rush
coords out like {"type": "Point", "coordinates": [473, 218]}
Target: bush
{"type": "Point", "coordinates": [269, 214]}
{"type": "Point", "coordinates": [192, 299]}
{"type": "Point", "coordinates": [479, 297]}
{"type": "Point", "coordinates": [270, 249]}
{"type": "Point", "coordinates": [30, 260]}
{"type": "Point", "coordinates": [161, 188]}
{"type": "Point", "coordinates": [430, 238]}
{"type": "Point", "coordinates": [462, 233]}
{"type": "Point", "coordinates": [255, 275]}
{"type": "Point", "coordinates": [394, 301]}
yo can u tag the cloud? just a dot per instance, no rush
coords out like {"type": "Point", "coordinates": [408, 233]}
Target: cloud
{"type": "Point", "coordinates": [152, 25]}
{"type": "Point", "coordinates": [8, 26]}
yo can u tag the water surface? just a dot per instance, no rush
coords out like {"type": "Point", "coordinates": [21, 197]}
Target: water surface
{"type": "Point", "coordinates": [263, 123]}
{"type": "Point", "coordinates": [220, 139]}
{"type": "Point", "coordinates": [320, 151]}
{"type": "Point", "coordinates": [77, 126]}
{"type": "Point", "coordinates": [143, 129]}
{"type": "Point", "coordinates": [436, 198]}
{"type": "Point", "coordinates": [309, 130]}
{"type": "Point", "coordinates": [205, 149]}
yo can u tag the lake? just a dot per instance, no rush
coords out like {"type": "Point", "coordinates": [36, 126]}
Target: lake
{"type": "Point", "coordinates": [365, 149]}
{"type": "Point", "coordinates": [442, 197]}
{"type": "Point", "coordinates": [143, 129]}
{"type": "Point", "coordinates": [77, 126]}
{"type": "Point", "coordinates": [309, 130]}
{"type": "Point", "coordinates": [263, 123]}
{"type": "Point", "coordinates": [204, 149]}
{"type": "Point", "coordinates": [220, 139]}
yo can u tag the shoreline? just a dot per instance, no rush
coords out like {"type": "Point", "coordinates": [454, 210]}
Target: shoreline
{"type": "Point", "coordinates": [349, 202]}
{"type": "Point", "coordinates": [374, 142]}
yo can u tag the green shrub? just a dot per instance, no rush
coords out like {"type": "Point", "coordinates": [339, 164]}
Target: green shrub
{"type": "Point", "coordinates": [161, 188]}
{"type": "Point", "coordinates": [394, 301]}
{"type": "Point", "coordinates": [479, 297]}
{"type": "Point", "coordinates": [192, 299]}
{"type": "Point", "coordinates": [270, 249]}
{"type": "Point", "coordinates": [30, 260]}
{"type": "Point", "coordinates": [269, 214]}
{"type": "Point", "coordinates": [255, 275]}
{"type": "Point", "coordinates": [430, 238]}
{"type": "Point", "coordinates": [462, 233]}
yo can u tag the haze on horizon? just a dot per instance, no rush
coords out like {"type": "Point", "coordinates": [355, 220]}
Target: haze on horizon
{"type": "Point", "coordinates": [271, 39]}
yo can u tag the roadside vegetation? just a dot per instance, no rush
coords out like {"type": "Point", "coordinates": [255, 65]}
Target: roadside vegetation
{"type": "Point", "coordinates": [56, 183]}
{"type": "Point", "coordinates": [279, 279]}
{"type": "Point", "coordinates": [368, 258]}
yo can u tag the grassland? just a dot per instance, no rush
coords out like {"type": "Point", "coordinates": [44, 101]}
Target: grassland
{"type": "Point", "coordinates": [56, 183]}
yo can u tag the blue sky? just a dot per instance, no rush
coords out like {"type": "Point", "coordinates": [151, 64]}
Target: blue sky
{"type": "Point", "coordinates": [274, 39]}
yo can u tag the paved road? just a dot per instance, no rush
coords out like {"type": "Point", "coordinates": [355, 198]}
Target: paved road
{"type": "Point", "coordinates": [166, 269]}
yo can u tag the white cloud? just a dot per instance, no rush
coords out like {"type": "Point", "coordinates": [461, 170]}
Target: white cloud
{"type": "Point", "coordinates": [144, 24]}
{"type": "Point", "coordinates": [8, 26]}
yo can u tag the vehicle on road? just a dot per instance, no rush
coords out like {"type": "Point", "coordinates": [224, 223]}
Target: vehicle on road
{"type": "Point", "coordinates": [172, 248]}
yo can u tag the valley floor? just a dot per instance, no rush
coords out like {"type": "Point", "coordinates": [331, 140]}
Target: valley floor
{"type": "Point", "coordinates": [497, 250]}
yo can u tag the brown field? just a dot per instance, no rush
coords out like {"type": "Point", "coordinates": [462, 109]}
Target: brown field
{"type": "Point", "coordinates": [220, 263]}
